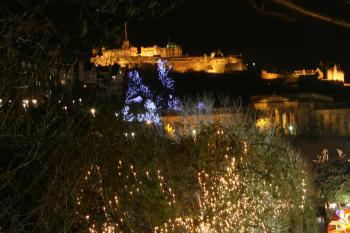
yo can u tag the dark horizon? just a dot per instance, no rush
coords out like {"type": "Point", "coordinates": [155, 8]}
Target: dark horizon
{"type": "Point", "coordinates": [201, 27]}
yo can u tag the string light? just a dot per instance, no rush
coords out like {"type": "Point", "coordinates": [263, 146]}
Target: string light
{"type": "Point", "coordinates": [111, 207]}
{"type": "Point", "coordinates": [233, 197]}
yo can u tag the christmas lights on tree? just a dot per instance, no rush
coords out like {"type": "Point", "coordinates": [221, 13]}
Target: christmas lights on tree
{"type": "Point", "coordinates": [139, 94]}
{"type": "Point", "coordinates": [240, 193]}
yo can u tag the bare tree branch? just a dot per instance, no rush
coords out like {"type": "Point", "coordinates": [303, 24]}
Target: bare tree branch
{"type": "Point", "coordinates": [297, 8]}
{"type": "Point", "coordinates": [262, 10]}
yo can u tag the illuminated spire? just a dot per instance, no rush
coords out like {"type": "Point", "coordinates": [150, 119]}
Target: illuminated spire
{"type": "Point", "coordinates": [126, 43]}
{"type": "Point", "coordinates": [126, 31]}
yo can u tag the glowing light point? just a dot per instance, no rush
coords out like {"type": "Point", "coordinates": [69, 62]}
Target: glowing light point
{"type": "Point", "coordinates": [201, 105]}
{"type": "Point", "coordinates": [291, 129]}
{"type": "Point", "coordinates": [35, 102]}
{"type": "Point", "coordinates": [93, 112]}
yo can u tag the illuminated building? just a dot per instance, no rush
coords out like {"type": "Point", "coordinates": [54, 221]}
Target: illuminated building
{"type": "Point", "coordinates": [128, 57]}
{"type": "Point", "coordinates": [302, 114]}
{"type": "Point", "coordinates": [270, 75]}
{"type": "Point", "coordinates": [330, 74]}
{"type": "Point", "coordinates": [171, 50]}
{"type": "Point", "coordinates": [308, 73]}
{"type": "Point", "coordinates": [335, 74]}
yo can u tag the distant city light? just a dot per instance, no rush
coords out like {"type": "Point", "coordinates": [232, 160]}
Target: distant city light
{"type": "Point", "coordinates": [291, 129]}
{"type": "Point", "coordinates": [194, 132]}
{"type": "Point", "coordinates": [169, 130]}
{"type": "Point", "coordinates": [25, 103]}
{"type": "Point", "coordinates": [201, 105]}
{"type": "Point", "coordinates": [333, 205]}
{"type": "Point", "coordinates": [35, 102]}
{"type": "Point", "coordinates": [93, 111]}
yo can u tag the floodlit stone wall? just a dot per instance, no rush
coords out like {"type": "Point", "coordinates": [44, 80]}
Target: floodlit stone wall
{"type": "Point", "coordinates": [179, 64]}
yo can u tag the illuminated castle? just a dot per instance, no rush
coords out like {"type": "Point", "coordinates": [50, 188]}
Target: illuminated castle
{"type": "Point", "coordinates": [129, 57]}
{"type": "Point", "coordinates": [330, 74]}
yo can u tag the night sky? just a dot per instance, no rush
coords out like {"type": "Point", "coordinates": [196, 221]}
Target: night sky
{"type": "Point", "coordinates": [201, 26]}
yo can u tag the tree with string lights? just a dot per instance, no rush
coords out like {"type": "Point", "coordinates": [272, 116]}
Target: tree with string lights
{"type": "Point", "coordinates": [39, 137]}
{"type": "Point", "coordinates": [225, 177]}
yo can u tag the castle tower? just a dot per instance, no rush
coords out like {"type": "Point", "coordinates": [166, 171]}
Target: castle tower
{"type": "Point", "coordinates": [126, 43]}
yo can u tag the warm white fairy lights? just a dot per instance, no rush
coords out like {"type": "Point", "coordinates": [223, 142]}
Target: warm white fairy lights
{"type": "Point", "coordinates": [230, 202]}
{"type": "Point", "coordinates": [226, 202]}
{"type": "Point", "coordinates": [233, 197]}
{"type": "Point", "coordinates": [111, 208]}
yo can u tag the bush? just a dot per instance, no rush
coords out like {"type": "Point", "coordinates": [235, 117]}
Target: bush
{"type": "Point", "coordinates": [70, 172]}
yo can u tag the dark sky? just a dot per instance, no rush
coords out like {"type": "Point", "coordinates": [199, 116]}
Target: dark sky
{"type": "Point", "coordinates": [201, 26]}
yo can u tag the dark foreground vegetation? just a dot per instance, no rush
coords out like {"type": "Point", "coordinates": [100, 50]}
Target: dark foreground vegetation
{"type": "Point", "coordinates": [72, 172]}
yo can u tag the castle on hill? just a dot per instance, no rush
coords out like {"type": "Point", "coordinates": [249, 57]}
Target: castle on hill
{"type": "Point", "coordinates": [330, 73]}
{"type": "Point", "coordinates": [129, 57]}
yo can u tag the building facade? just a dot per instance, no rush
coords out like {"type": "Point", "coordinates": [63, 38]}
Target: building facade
{"type": "Point", "coordinates": [303, 114]}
